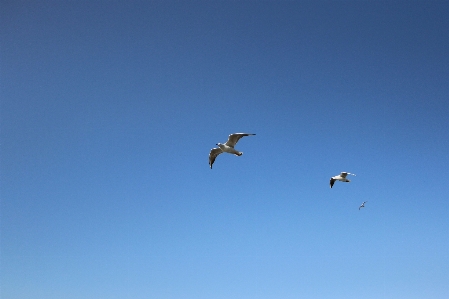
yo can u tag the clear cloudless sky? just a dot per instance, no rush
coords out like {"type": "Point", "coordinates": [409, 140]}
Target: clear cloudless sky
{"type": "Point", "coordinates": [109, 110]}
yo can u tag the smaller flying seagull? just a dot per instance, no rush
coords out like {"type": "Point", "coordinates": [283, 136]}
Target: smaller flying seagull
{"type": "Point", "coordinates": [228, 147]}
{"type": "Point", "coordinates": [341, 177]}
{"type": "Point", "coordinates": [362, 205]}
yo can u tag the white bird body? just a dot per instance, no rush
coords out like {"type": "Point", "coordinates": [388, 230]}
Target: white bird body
{"type": "Point", "coordinates": [341, 177]}
{"type": "Point", "coordinates": [227, 147]}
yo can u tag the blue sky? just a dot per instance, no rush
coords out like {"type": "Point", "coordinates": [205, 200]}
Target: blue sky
{"type": "Point", "coordinates": [109, 110]}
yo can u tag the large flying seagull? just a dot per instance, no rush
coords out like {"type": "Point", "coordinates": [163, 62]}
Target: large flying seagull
{"type": "Point", "coordinates": [228, 147]}
{"type": "Point", "coordinates": [341, 177]}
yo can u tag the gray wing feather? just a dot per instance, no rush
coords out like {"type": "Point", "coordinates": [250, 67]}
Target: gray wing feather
{"type": "Point", "coordinates": [213, 155]}
{"type": "Point", "coordinates": [234, 138]}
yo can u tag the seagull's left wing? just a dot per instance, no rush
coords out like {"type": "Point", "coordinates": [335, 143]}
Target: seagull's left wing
{"type": "Point", "coordinates": [234, 138]}
{"type": "Point", "coordinates": [213, 155]}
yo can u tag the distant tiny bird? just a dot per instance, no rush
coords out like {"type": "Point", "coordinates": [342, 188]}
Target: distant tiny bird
{"type": "Point", "coordinates": [341, 177]}
{"type": "Point", "coordinates": [362, 205]}
{"type": "Point", "coordinates": [228, 147]}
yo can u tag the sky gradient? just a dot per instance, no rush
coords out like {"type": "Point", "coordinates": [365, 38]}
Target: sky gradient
{"type": "Point", "coordinates": [109, 110]}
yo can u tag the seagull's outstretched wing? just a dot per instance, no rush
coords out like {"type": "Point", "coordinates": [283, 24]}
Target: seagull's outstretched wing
{"type": "Point", "coordinates": [213, 154]}
{"type": "Point", "coordinates": [344, 174]}
{"type": "Point", "coordinates": [332, 181]}
{"type": "Point", "coordinates": [234, 138]}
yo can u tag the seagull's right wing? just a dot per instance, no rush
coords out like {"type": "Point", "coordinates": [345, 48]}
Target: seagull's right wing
{"type": "Point", "coordinates": [234, 138]}
{"type": "Point", "coordinates": [332, 181]}
{"type": "Point", "coordinates": [344, 174]}
{"type": "Point", "coordinates": [213, 154]}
